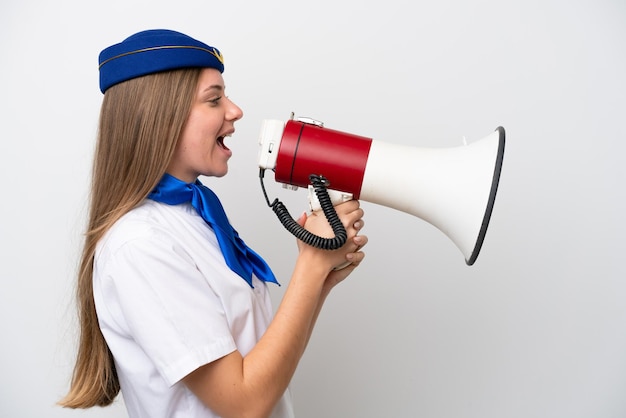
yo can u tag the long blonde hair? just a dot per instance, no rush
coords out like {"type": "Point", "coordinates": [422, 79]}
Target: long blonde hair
{"type": "Point", "coordinates": [140, 122]}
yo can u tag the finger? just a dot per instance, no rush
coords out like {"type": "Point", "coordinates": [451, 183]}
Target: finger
{"type": "Point", "coordinates": [355, 258]}
{"type": "Point", "coordinates": [353, 220]}
{"type": "Point", "coordinates": [302, 219]}
{"type": "Point", "coordinates": [360, 241]}
{"type": "Point", "coordinates": [348, 207]}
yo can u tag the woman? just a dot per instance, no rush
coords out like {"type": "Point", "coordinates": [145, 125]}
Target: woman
{"type": "Point", "coordinates": [174, 307]}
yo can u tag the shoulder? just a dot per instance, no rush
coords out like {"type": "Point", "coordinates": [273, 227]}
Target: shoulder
{"type": "Point", "coordinates": [151, 225]}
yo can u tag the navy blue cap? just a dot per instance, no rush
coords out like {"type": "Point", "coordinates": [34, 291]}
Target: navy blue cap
{"type": "Point", "coordinates": [152, 51]}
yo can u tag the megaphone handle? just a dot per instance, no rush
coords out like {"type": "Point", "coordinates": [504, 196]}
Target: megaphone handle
{"type": "Point", "coordinates": [336, 197]}
{"type": "Point", "coordinates": [320, 185]}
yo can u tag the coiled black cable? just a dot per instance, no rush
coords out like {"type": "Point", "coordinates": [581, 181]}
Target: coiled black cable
{"type": "Point", "coordinates": [320, 185]}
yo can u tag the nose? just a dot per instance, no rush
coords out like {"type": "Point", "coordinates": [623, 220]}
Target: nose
{"type": "Point", "coordinates": [234, 112]}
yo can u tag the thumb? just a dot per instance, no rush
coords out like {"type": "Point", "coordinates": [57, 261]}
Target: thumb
{"type": "Point", "coordinates": [302, 219]}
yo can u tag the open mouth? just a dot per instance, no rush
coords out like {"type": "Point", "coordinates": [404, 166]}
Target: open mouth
{"type": "Point", "coordinates": [220, 142]}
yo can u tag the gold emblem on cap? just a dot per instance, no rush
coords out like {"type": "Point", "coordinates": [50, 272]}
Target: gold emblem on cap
{"type": "Point", "coordinates": [217, 54]}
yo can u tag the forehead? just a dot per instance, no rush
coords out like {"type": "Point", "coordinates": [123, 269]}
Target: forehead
{"type": "Point", "coordinates": [210, 78]}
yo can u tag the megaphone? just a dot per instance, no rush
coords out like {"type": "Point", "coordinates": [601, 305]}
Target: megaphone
{"type": "Point", "coordinates": [453, 189]}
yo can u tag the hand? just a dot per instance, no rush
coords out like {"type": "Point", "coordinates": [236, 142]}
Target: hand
{"type": "Point", "coordinates": [353, 260]}
{"type": "Point", "coordinates": [349, 255]}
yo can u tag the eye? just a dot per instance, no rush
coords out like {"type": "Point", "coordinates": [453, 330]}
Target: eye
{"type": "Point", "coordinates": [216, 101]}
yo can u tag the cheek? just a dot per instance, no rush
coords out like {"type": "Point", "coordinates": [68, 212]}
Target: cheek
{"type": "Point", "coordinates": [202, 129]}
{"type": "Point", "coordinates": [192, 138]}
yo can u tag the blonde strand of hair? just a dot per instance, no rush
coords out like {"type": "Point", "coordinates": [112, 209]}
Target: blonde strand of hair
{"type": "Point", "coordinates": [140, 122]}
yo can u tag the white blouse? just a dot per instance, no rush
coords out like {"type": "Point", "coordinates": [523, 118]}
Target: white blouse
{"type": "Point", "coordinates": [167, 304]}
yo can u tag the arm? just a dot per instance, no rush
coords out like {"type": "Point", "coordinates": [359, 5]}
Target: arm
{"type": "Point", "coordinates": [336, 277]}
{"type": "Point", "coordinates": [251, 386]}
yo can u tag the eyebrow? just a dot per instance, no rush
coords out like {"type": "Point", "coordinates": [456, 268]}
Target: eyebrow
{"type": "Point", "coordinates": [214, 87]}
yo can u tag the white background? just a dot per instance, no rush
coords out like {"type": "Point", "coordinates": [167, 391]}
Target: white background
{"type": "Point", "coordinates": [536, 328]}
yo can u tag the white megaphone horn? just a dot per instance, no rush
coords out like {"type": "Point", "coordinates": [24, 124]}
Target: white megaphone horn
{"type": "Point", "coordinates": [453, 189]}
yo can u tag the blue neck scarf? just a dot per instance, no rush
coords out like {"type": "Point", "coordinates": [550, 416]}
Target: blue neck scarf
{"type": "Point", "coordinates": [239, 257]}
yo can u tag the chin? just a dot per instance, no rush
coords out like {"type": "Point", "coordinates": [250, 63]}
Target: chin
{"type": "Point", "coordinates": [220, 173]}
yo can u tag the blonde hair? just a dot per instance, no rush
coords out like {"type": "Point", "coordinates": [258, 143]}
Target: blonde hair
{"type": "Point", "coordinates": [140, 122]}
